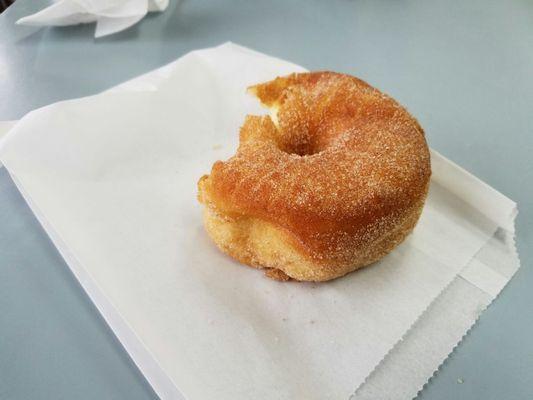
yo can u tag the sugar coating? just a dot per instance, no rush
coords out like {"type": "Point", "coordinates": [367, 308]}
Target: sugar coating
{"type": "Point", "coordinates": [342, 172]}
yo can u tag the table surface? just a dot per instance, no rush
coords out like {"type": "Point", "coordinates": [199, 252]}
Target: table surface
{"type": "Point", "coordinates": [464, 68]}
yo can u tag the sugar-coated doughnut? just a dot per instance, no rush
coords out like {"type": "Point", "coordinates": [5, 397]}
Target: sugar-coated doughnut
{"type": "Point", "coordinates": [332, 181]}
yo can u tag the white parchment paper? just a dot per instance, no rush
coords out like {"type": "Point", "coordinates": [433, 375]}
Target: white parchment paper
{"type": "Point", "coordinates": [112, 178]}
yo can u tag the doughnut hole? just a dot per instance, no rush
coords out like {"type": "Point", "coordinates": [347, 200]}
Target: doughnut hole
{"type": "Point", "coordinates": [294, 134]}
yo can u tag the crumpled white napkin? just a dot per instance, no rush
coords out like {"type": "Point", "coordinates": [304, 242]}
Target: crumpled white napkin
{"type": "Point", "coordinates": [111, 16]}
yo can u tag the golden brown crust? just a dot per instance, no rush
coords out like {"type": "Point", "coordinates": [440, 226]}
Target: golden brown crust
{"type": "Point", "coordinates": [336, 185]}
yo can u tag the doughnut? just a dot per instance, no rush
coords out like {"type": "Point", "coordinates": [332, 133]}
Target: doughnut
{"type": "Point", "coordinates": [331, 181]}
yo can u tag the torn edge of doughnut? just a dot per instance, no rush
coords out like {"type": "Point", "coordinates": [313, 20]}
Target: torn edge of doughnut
{"type": "Point", "coordinates": [277, 274]}
{"type": "Point", "coordinates": [271, 105]}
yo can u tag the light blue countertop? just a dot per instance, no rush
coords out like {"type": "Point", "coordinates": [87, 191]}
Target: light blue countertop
{"type": "Point", "coordinates": [463, 68]}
